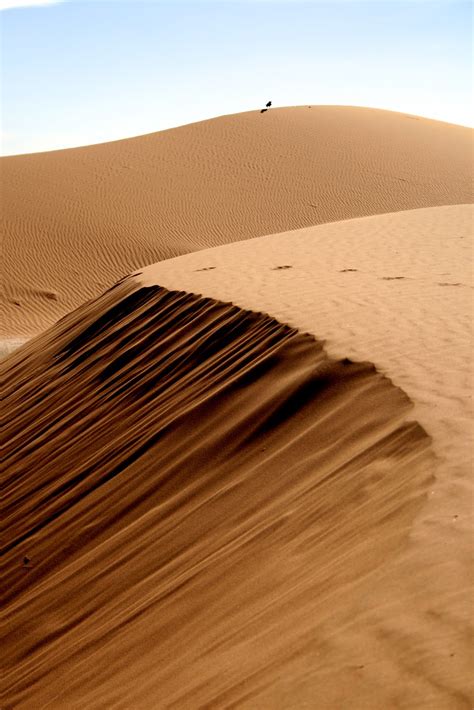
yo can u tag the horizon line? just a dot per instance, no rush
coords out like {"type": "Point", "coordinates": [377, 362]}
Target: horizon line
{"type": "Point", "coordinates": [239, 113]}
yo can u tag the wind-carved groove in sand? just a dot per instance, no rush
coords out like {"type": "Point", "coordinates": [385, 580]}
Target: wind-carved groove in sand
{"type": "Point", "coordinates": [183, 474]}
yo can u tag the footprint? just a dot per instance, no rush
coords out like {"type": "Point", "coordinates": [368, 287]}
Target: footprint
{"type": "Point", "coordinates": [284, 266]}
{"type": "Point", "coordinates": [206, 268]}
{"type": "Point", "coordinates": [393, 278]}
{"type": "Point", "coordinates": [446, 283]}
{"type": "Point", "coordinates": [343, 271]}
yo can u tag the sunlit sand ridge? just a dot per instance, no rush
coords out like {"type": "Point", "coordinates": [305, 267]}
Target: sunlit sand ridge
{"type": "Point", "coordinates": [397, 289]}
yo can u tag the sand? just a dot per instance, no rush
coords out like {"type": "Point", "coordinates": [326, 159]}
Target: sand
{"type": "Point", "coordinates": [209, 491]}
{"type": "Point", "coordinates": [242, 477]}
{"type": "Point", "coordinates": [77, 220]}
{"type": "Point", "coordinates": [397, 289]}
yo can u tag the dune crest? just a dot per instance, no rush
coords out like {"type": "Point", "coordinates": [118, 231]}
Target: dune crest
{"type": "Point", "coordinates": [76, 220]}
{"type": "Point", "coordinates": [193, 490]}
{"type": "Point", "coordinates": [395, 289]}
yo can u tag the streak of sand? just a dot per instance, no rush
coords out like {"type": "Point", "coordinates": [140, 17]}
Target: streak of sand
{"type": "Point", "coordinates": [198, 502]}
{"type": "Point", "coordinates": [77, 220]}
{"type": "Point", "coordinates": [9, 345]}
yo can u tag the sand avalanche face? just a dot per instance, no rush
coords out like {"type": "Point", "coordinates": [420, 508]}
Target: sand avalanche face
{"type": "Point", "coordinates": [192, 490]}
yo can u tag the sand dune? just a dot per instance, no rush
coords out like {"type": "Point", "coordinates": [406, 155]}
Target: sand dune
{"type": "Point", "coordinates": [205, 500]}
{"type": "Point", "coordinates": [77, 220]}
{"type": "Point", "coordinates": [396, 289]}
{"type": "Point", "coordinates": [208, 506]}
{"type": "Point", "coordinates": [217, 513]}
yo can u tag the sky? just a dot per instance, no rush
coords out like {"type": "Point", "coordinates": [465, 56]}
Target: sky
{"type": "Point", "coordinates": [78, 72]}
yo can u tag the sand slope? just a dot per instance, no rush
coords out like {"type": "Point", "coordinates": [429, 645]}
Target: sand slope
{"type": "Point", "coordinates": [77, 220]}
{"type": "Point", "coordinates": [397, 289]}
{"type": "Point", "coordinates": [206, 500]}
{"type": "Point", "coordinates": [219, 514]}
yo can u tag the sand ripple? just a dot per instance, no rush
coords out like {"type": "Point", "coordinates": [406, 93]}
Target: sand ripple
{"type": "Point", "coordinates": [193, 492]}
{"type": "Point", "coordinates": [77, 220]}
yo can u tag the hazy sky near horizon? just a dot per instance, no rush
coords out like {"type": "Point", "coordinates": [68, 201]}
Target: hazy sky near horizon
{"type": "Point", "coordinates": [77, 72]}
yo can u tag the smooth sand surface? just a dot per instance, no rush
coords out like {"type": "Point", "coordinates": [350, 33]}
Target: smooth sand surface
{"type": "Point", "coordinates": [77, 220]}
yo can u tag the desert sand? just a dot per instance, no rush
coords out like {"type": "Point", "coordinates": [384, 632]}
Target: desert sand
{"type": "Point", "coordinates": [77, 220]}
{"type": "Point", "coordinates": [396, 289]}
{"type": "Point", "coordinates": [210, 491]}
{"type": "Point", "coordinates": [241, 477]}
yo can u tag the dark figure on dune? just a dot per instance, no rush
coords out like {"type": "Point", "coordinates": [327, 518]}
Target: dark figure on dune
{"type": "Point", "coordinates": [262, 110]}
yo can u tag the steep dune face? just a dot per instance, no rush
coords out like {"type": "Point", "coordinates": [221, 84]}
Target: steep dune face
{"type": "Point", "coordinates": [77, 220]}
{"type": "Point", "coordinates": [194, 491]}
{"type": "Point", "coordinates": [395, 289]}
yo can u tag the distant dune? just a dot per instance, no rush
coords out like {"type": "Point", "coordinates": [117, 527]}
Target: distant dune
{"type": "Point", "coordinates": [77, 220]}
{"type": "Point", "coordinates": [193, 492]}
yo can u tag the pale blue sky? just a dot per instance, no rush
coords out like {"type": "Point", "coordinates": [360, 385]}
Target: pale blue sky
{"type": "Point", "coordinates": [79, 72]}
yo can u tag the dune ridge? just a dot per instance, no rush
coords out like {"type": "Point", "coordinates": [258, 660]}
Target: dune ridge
{"type": "Point", "coordinates": [76, 220]}
{"type": "Point", "coordinates": [196, 490]}
{"type": "Point", "coordinates": [395, 289]}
